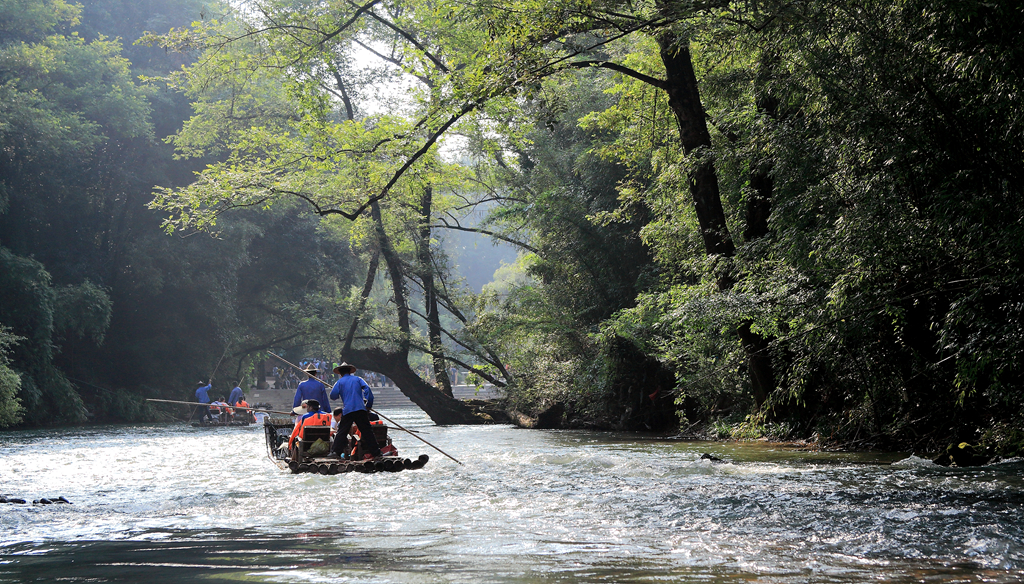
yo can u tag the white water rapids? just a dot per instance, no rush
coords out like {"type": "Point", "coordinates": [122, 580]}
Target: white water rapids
{"type": "Point", "coordinates": [171, 503]}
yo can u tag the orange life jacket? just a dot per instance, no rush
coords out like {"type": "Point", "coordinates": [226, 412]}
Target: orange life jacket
{"type": "Point", "coordinates": [317, 419]}
{"type": "Point", "coordinates": [372, 423]}
{"type": "Point", "coordinates": [359, 435]}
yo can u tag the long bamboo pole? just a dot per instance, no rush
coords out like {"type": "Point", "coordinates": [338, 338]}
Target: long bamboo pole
{"type": "Point", "coordinates": [171, 401]}
{"type": "Point", "coordinates": [210, 380]}
{"type": "Point", "coordinates": [397, 425]}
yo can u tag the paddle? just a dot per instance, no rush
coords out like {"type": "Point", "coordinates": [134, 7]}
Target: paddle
{"type": "Point", "coordinates": [397, 425]}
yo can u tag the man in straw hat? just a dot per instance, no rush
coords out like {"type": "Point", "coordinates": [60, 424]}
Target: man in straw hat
{"type": "Point", "coordinates": [312, 388]}
{"type": "Point", "coordinates": [356, 399]}
{"type": "Point", "coordinates": [203, 397]}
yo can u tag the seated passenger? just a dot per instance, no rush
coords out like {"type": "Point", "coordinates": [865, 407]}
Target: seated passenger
{"type": "Point", "coordinates": [217, 410]}
{"type": "Point", "coordinates": [247, 415]}
{"type": "Point", "coordinates": [312, 417]}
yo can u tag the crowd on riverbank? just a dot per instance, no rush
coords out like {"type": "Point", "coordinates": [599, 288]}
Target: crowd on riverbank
{"type": "Point", "coordinates": [287, 378]}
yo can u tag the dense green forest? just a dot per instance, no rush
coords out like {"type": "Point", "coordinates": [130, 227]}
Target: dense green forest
{"type": "Point", "coordinates": [784, 219]}
{"type": "Point", "coordinates": [100, 307]}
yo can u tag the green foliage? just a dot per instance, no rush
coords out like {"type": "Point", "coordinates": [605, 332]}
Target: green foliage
{"type": "Point", "coordinates": [10, 382]}
{"type": "Point", "coordinates": [879, 142]}
{"type": "Point", "coordinates": [30, 20]}
{"type": "Point", "coordinates": [888, 273]}
{"type": "Point", "coordinates": [82, 311]}
{"type": "Point", "coordinates": [27, 303]}
{"type": "Point", "coordinates": [80, 162]}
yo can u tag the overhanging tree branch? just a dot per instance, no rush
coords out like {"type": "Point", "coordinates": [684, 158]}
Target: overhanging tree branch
{"type": "Point", "coordinates": [659, 83]}
{"type": "Point", "coordinates": [456, 227]}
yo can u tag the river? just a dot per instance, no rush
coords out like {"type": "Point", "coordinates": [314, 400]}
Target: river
{"type": "Point", "coordinates": [170, 503]}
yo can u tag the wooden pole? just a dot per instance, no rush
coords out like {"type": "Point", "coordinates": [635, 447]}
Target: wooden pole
{"type": "Point", "coordinates": [208, 382]}
{"type": "Point", "coordinates": [397, 425]}
{"type": "Point", "coordinates": [299, 369]}
{"type": "Point", "coordinates": [171, 401]}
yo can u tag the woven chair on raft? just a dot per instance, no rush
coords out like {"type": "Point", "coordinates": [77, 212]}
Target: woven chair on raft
{"type": "Point", "coordinates": [309, 435]}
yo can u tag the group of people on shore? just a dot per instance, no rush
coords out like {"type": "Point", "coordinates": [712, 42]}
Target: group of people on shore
{"type": "Point", "coordinates": [287, 379]}
{"type": "Point", "coordinates": [313, 407]}
{"type": "Point", "coordinates": [219, 410]}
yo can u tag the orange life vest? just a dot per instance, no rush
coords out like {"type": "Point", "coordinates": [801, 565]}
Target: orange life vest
{"type": "Point", "coordinates": [372, 423]}
{"type": "Point", "coordinates": [317, 419]}
{"type": "Point", "coordinates": [359, 435]}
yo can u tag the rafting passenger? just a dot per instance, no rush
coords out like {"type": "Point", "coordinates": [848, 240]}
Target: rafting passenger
{"type": "Point", "coordinates": [249, 414]}
{"type": "Point", "coordinates": [312, 417]}
{"type": "Point", "coordinates": [220, 408]}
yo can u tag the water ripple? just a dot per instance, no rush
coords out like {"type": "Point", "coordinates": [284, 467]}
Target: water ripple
{"type": "Point", "coordinates": [176, 503]}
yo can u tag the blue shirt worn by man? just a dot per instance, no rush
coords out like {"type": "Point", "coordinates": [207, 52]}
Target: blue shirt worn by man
{"type": "Point", "coordinates": [353, 392]}
{"type": "Point", "coordinates": [236, 396]}
{"type": "Point", "coordinates": [201, 394]}
{"type": "Point", "coordinates": [312, 389]}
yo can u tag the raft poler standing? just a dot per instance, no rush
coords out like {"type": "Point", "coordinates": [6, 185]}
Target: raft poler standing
{"type": "Point", "coordinates": [312, 388]}
{"type": "Point", "coordinates": [203, 397]}
{"type": "Point", "coordinates": [236, 396]}
{"type": "Point", "coordinates": [356, 397]}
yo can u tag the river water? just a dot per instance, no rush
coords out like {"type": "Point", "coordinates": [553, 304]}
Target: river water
{"type": "Point", "coordinates": [170, 503]}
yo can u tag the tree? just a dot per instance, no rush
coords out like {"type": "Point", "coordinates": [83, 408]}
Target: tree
{"type": "Point", "coordinates": [269, 119]}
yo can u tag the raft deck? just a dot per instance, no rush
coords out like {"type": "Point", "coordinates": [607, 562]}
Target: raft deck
{"type": "Point", "coordinates": [333, 466]}
{"type": "Point", "coordinates": [278, 430]}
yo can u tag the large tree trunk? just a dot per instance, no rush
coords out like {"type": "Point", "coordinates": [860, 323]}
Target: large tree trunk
{"type": "Point", "coordinates": [684, 100]}
{"type": "Point", "coordinates": [442, 409]}
{"type": "Point", "coordinates": [444, 384]}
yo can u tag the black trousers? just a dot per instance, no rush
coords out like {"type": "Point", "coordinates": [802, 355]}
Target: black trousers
{"type": "Point", "coordinates": [362, 421]}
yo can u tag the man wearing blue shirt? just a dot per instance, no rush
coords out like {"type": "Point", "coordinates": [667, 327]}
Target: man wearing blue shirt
{"type": "Point", "coordinates": [312, 388]}
{"type": "Point", "coordinates": [356, 399]}
{"type": "Point", "coordinates": [203, 397]}
{"type": "Point", "coordinates": [235, 397]}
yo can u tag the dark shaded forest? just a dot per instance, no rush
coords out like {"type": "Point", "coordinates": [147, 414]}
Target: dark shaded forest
{"type": "Point", "coordinates": [794, 220]}
{"type": "Point", "coordinates": [100, 306]}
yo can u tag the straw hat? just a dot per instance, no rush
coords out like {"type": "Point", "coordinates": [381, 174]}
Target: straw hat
{"type": "Point", "coordinates": [311, 369]}
{"type": "Point", "coordinates": [345, 368]}
{"type": "Point", "coordinates": [306, 406]}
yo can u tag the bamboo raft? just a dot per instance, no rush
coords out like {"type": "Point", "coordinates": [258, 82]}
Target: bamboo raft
{"type": "Point", "coordinates": [221, 424]}
{"type": "Point", "coordinates": [278, 430]}
{"type": "Point", "coordinates": [330, 466]}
